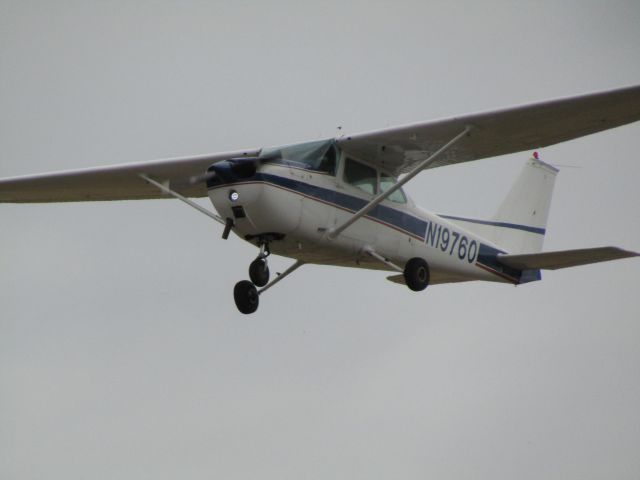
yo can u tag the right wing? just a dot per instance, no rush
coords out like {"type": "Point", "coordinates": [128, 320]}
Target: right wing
{"type": "Point", "coordinates": [398, 150]}
{"type": "Point", "coordinates": [116, 182]}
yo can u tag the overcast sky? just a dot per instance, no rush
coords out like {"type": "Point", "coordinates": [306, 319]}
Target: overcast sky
{"type": "Point", "coordinates": [122, 354]}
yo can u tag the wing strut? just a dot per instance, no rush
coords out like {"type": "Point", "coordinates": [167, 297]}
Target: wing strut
{"type": "Point", "coordinates": [372, 253]}
{"type": "Point", "coordinates": [334, 232]}
{"type": "Point", "coordinates": [191, 203]}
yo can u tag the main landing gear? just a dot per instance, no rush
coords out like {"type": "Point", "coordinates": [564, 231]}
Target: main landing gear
{"type": "Point", "coordinates": [416, 270]}
{"type": "Point", "coordinates": [416, 274]}
{"type": "Point", "coordinates": [246, 293]}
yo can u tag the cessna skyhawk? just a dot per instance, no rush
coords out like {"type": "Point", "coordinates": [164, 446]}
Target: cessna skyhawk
{"type": "Point", "coordinates": [340, 201]}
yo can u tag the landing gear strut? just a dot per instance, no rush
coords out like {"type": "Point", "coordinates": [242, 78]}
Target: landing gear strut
{"type": "Point", "coordinates": [245, 293]}
{"type": "Point", "coordinates": [259, 269]}
{"type": "Point", "coordinates": [416, 272]}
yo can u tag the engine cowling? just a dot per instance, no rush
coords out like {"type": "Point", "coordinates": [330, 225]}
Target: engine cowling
{"type": "Point", "coordinates": [232, 170]}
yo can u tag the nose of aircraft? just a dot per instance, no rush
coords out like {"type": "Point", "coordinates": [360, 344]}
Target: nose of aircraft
{"type": "Point", "coordinates": [231, 170]}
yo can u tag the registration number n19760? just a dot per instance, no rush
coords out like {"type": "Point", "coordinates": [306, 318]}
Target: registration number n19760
{"type": "Point", "coordinates": [451, 241]}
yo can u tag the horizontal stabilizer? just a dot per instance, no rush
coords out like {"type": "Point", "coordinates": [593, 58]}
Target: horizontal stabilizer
{"type": "Point", "coordinates": [564, 258]}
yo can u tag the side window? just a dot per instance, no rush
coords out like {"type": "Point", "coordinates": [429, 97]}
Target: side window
{"type": "Point", "coordinates": [360, 176]}
{"type": "Point", "coordinates": [386, 183]}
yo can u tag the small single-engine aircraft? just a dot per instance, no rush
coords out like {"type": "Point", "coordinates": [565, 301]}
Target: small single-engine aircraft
{"type": "Point", "coordinates": [340, 201]}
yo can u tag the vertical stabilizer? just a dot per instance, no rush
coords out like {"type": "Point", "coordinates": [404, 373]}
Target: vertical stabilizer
{"type": "Point", "coordinates": [520, 223]}
{"type": "Point", "coordinates": [524, 211]}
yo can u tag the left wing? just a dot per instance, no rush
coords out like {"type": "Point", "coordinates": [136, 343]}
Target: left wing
{"type": "Point", "coordinates": [399, 149]}
{"type": "Point", "coordinates": [116, 182]}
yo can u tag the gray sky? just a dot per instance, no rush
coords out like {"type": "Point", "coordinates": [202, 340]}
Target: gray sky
{"type": "Point", "coordinates": [121, 352]}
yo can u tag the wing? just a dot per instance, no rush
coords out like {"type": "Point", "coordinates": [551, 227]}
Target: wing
{"type": "Point", "coordinates": [498, 132]}
{"type": "Point", "coordinates": [396, 150]}
{"type": "Point", "coordinates": [117, 182]}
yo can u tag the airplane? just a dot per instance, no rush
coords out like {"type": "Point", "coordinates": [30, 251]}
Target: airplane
{"type": "Point", "coordinates": [340, 201]}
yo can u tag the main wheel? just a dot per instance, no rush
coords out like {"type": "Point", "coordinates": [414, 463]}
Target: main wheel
{"type": "Point", "coordinates": [416, 274]}
{"type": "Point", "coordinates": [246, 296]}
{"type": "Point", "coordinates": [259, 272]}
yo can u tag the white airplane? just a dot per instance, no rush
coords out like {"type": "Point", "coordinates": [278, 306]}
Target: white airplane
{"type": "Point", "coordinates": [340, 202]}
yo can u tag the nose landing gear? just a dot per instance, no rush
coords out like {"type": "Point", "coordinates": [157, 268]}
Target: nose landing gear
{"type": "Point", "coordinates": [246, 296]}
{"type": "Point", "coordinates": [245, 293]}
{"type": "Point", "coordinates": [259, 269]}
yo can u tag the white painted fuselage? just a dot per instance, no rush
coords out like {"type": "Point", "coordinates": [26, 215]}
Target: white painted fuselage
{"type": "Point", "coordinates": [303, 206]}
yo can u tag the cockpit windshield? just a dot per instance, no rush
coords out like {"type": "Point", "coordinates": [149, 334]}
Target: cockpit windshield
{"type": "Point", "coordinates": [318, 156]}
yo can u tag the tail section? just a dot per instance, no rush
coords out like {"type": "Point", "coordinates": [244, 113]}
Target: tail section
{"type": "Point", "coordinates": [520, 223]}
{"type": "Point", "coordinates": [519, 226]}
{"type": "Point", "coordinates": [525, 209]}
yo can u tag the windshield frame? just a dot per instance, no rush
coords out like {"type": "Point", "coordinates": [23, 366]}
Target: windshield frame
{"type": "Point", "coordinates": [320, 157]}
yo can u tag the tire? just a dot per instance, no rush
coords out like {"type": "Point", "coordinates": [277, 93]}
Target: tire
{"type": "Point", "coordinates": [416, 274]}
{"type": "Point", "coordinates": [246, 296]}
{"type": "Point", "coordinates": [259, 272]}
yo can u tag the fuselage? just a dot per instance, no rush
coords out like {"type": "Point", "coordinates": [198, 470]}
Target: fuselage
{"type": "Point", "coordinates": [297, 207]}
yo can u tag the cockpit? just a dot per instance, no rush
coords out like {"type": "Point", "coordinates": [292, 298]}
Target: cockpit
{"type": "Point", "coordinates": [370, 180]}
{"type": "Point", "coordinates": [320, 157]}
{"type": "Point", "coordinates": [324, 157]}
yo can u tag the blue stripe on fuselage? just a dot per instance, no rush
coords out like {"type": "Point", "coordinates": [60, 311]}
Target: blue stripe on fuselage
{"type": "Point", "coordinates": [390, 216]}
{"type": "Point", "coordinates": [515, 226]}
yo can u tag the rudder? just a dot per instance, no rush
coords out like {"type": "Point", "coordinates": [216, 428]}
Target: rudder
{"type": "Point", "coordinates": [525, 209]}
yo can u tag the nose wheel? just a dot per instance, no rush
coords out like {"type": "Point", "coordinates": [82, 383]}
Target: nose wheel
{"type": "Point", "coordinates": [259, 272]}
{"type": "Point", "coordinates": [245, 293]}
{"type": "Point", "coordinates": [259, 269]}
